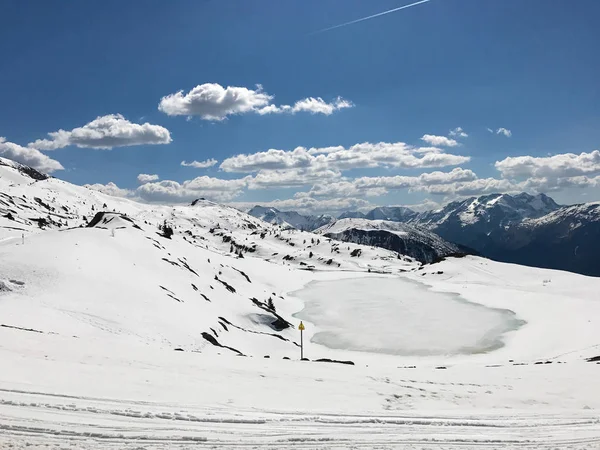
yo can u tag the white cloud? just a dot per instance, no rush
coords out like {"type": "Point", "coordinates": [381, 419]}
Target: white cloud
{"type": "Point", "coordinates": [110, 189]}
{"type": "Point", "coordinates": [490, 130]}
{"type": "Point", "coordinates": [200, 164]}
{"type": "Point", "coordinates": [365, 155]}
{"type": "Point", "coordinates": [440, 141]}
{"type": "Point", "coordinates": [269, 179]}
{"type": "Point", "coordinates": [211, 101]}
{"type": "Point", "coordinates": [458, 132]}
{"type": "Point", "coordinates": [106, 132]}
{"type": "Point", "coordinates": [311, 105]}
{"type": "Point", "coordinates": [147, 178]}
{"type": "Point", "coordinates": [504, 131]}
{"type": "Point", "coordinates": [553, 173]}
{"type": "Point", "coordinates": [546, 184]}
{"type": "Point", "coordinates": [376, 186]}
{"type": "Point", "coordinates": [169, 191]}
{"type": "Point", "coordinates": [480, 186]}
{"type": "Point", "coordinates": [29, 156]}
{"type": "Point", "coordinates": [309, 205]}
{"type": "Point", "coordinates": [557, 166]}
{"type": "Point", "coordinates": [207, 187]}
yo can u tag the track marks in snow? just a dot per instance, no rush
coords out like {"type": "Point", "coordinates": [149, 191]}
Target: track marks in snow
{"type": "Point", "coordinates": [30, 419]}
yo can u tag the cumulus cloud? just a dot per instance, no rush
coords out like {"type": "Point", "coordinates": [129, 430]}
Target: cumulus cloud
{"type": "Point", "coordinates": [211, 101]}
{"type": "Point", "coordinates": [365, 155]}
{"type": "Point", "coordinates": [110, 188]}
{"type": "Point", "coordinates": [211, 188]}
{"type": "Point", "coordinates": [269, 179]}
{"type": "Point", "coordinates": [147, 178]}
{"type": "Point", "coordinates": [458, 132]}
{"type": "Point", "coordinates": [376, 186]}
{"type": "Point", "coordinates": [311, 105]}
{"type": "Point", "coordinates": [506, 132]}
{"type": "Point", "coordinates": [200, 164]}
{"type": "Point", "coordinates": [476, 187]}
{"type": "Point", "coordinates": [546, 184]}
{"type": "Point", "coordinates": [106, 132]}
{"type": "Point", "coordinates": [553, 173]}
{"type": "Point", "coordinates": [557, 166]}
{"type": "Point", "coordinates": [169, 191]}
{"type": "Point", "coordinates": [29, 156]}
{"type": "Point", "coordinates": [440, 141]}
{"type": "Point", "coordinates": [311, 205]}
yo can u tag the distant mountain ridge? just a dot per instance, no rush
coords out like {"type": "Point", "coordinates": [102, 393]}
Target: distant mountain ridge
{"type": "Point", "coordinates": [410, 240]}
{"type": "Point", "coordinates": [525, 229]}
{"type": "Point", "coordinates": [290, 219]}
{"type": "Point", "coordinates": [521, 228]}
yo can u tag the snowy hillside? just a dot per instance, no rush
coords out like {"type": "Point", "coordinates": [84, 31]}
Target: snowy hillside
{"type": "Point", "coordinates": [289, 219]}
{"type": "Point", "coordinates": [488, 212]}
{"type": "Point", "coordinates": [198, 277]}
{"type": "Point", "coordinates": [522, 228]}
{"type": "Point", "coordinates": [128, 325]}
{"type": "Point", "coordinates": [409, 240]}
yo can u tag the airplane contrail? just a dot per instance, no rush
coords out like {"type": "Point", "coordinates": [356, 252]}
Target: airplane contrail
{"type": "Point", "coordinates": [370, 17]}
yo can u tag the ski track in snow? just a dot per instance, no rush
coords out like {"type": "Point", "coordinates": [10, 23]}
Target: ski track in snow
{"type": "Point", "coordinates": [38, 420]}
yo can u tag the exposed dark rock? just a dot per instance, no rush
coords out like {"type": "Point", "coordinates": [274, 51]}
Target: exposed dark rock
{"type": "Point", "coordinates": [350, 363]}
{"type": "Point", "coordinates": [216, 343]}
{"type": "Point", "coordinates": [227, 285]}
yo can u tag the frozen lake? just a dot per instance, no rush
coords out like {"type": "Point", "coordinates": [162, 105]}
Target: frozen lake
{"type": "Point", "coordinates": [400, 317]}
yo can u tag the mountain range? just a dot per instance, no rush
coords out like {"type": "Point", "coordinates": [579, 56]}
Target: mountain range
{"type": "Point", "coordinates": [289, 219]}
{"type": "Point", "coordinates": [411, 240]}
{"type": "Point", "coordinates": [524, 229]}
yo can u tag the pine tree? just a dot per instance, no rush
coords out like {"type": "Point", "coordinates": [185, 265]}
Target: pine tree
{"type": "Point", "coordinates": [270, 304]}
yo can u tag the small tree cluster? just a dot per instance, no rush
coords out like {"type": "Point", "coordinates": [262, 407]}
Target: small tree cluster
{"type": "Point", "coordinates": [167, 231]}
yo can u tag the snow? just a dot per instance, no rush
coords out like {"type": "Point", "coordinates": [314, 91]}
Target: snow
{"type": "Point", "coordinates": [90, 324]}
{"type": "Point", "coordinates": [339, 226]}
{"type": "Point", "coordinates": [417, 321]}
{"type": "Point", "coordinates": [289, 219]}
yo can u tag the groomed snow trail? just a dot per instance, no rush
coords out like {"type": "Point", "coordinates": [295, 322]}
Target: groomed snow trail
{"type": "Point", "coordinates": [35, 419]}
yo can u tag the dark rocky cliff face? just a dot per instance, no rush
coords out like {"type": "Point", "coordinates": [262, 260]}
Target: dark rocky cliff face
{"type": "Point", "coordinates": [425, 252]}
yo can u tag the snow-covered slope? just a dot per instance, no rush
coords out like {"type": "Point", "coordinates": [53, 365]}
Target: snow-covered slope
{"type": "Point", "coordinates": [409, 240]}
{"type": "Point", "coordinates": [116, 334]}
{"type": "Point", "coordinates": [92, 247]}
{"type": "Point", "coordinates": [487, 213]}
{"type": "Point", "coordinates": [568, 239]}
{"type": "Point", "coordinates": [289, 219]}
{"type": "Point", "coordinates": [522, 228]}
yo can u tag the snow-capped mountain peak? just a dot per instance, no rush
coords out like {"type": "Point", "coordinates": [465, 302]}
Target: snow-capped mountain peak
{"type": "Point", "coordinates": [289, 219]}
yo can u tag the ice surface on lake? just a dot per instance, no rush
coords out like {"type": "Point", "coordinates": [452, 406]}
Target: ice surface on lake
{"type": "Point", "coordinates": [401, 317]}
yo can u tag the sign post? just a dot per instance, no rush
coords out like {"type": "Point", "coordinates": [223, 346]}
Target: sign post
{"type": "Point", "coordinates": [301, 328]}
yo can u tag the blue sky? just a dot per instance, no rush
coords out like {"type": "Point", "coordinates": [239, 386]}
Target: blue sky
{"type": "Point", "coordinates": [528, 66]}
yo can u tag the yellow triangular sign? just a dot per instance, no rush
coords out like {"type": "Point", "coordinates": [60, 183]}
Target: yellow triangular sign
{"type": "Point", "coordinates": [301, 326]}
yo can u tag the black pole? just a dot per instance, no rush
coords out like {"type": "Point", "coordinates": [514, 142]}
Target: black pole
{"type": "Point", "coordinates": [301, 345]}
